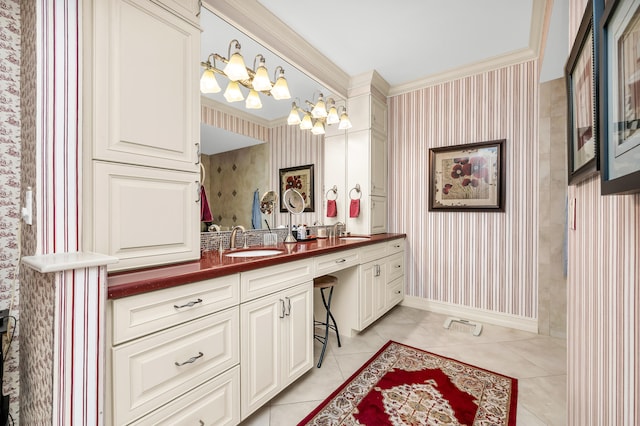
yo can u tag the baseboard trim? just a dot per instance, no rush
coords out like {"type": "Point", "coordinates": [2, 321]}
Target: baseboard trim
{"type": "Point", "coordinates": [465, 312]}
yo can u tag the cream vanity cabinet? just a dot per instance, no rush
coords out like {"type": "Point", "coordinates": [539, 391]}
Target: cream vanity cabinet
{"type": "Point", "coordinates": [276, 317]}
{"type": "Point", "coordinates": [142, 110]}
{"type": "Point", "coordinates": [175, 354]}
{"type": "Point", "coordinates": [380, 283]}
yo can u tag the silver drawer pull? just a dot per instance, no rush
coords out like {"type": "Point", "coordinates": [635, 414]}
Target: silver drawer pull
{"type": "Point", "coordinates": [190, 360]}
{"type": "Point", "coordinates": [398, 266]}
{"type": "Point", "coordinates": [188, 305]}
{"type": "Point", "coordinates": [397, 246]}
{"type": "Point", "coordinates": [201, 422]}
{"type": "Point", "coordinates": [398, 291]}
{"type": "Point", "coordinates": [341, 260]}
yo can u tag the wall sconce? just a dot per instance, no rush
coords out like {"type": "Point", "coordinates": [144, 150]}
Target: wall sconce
{"type": "Point", "coordinates": [315, 118]}
{"type": "Point", "coordinates": [238, 74]}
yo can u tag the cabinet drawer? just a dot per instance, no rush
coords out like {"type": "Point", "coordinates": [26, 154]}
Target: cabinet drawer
{"type": "Point", "coordinates": [263, 281]}
{"type": "Point", "coordinates": [395, 266]}
{"type": "Point", "coordinates": [214, 403]}
{"type": "Point", "coordinates": [372, 252]}
{"type": "Point", "coordinates": [395, 246]}
{"type": "Point", "coordinates": [335, 262]}
{"type": "Point", "coordinates": [154, 370]}
{"type": "Point", "coordinates": [146, 313]}
{"type": "Point", "coordinates": [394, 292]}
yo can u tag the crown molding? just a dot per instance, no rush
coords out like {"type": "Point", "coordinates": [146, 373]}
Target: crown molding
{"type": "Point", "coordinates": [250, 17]}
{"type": "Point", "coordinates": [536, 43]}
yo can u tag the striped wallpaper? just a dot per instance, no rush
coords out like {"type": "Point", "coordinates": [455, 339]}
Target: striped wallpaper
{"type": "Point", "coordinates": [603, 300]}
{"type": "Point", "coordinates": [485, 261]}
{"type": "Point", "coordinates": [292, 147]}
{"type": "Point", "coordinates": [232, 123]}
{"type": "Point", "coordinates": [63, 317]}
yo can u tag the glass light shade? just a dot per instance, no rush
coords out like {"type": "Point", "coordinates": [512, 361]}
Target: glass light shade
{"type": "Point", "coordinates": [233, 93]}
{"type": "Point", "coordinates": [253, 100]}
{"type": "Point", "coordinates": [306, 123]}
{"type": "Point", "coordinates": [236, 69]}
{"type": "Point", "coordinates": [261, 81]}
{"type": "Point", "coordinates": [345, 123]}
{"type": "Point", "coordinates": [280, 90]}
{"type": "Point", "coordinates": [332, 116]}
{"type": "Point", "coordinates": [294, 117]}
{"type": "Point", "coordinates": [318, 128]}
{"type": "Point", "coordinates": [319, 110]}
{"type": "Point", "coordinates": [208, 82]}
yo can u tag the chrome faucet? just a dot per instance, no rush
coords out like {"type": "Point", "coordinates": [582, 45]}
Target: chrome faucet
{"type": "Point", "coordinates": [234, 231]}
{"type": "Point", "coordinates": [335, 228]}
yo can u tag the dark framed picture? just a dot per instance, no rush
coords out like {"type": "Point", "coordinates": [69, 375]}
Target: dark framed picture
{"type": "Point", "coordinates": [301, 179]}
{"type": "Point", "coordinates": [620, 98]}
{"type": "Point", "coordinates": [468, 177]}
{"type": "Point", "coordinates": [582, 152]}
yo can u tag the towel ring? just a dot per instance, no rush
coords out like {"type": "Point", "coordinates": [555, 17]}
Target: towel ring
{"type": "Point", "coordinates": [357, 189]}
{"type": "Point", "coordinates": [335, 192]}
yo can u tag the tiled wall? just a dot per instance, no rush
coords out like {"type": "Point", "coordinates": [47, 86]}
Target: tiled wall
{"type": "Point", "coordinates": [231, 180]}
{"type": "Point", "coordinates": [603, 300]}
{"type": "Point", "coordinates": [552, 282]}
{"type": "Point", "coordinates": [485, 261]}
{"type": "Point", "coordinates": [10, 187]}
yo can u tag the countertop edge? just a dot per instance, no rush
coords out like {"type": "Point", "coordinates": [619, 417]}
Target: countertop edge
{"type": "Point", "coordinates": [130, 283]}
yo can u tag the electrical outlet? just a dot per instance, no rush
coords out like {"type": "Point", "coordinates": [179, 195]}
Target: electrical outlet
{"type": "Point", "coordinates": [4, 320]}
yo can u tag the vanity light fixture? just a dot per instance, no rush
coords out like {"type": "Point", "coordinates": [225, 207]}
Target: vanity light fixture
{"type": "Point", "coordinates": [315, 118]}
{"type": "Point", "coordinates": [238, 74]}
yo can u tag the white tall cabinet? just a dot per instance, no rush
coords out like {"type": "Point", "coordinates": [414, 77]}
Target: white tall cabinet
{"type": "Point", "coordinates": [142, 130]}
{"type": "Point", "coordinates": [357, 159]}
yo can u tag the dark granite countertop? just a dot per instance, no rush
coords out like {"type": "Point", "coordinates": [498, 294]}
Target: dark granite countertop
{"type": "Point", "coordinates": [212, 264]}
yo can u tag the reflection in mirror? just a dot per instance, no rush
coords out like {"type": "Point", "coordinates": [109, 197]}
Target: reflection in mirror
{"type": "Point", "coordinates": [243, 149]}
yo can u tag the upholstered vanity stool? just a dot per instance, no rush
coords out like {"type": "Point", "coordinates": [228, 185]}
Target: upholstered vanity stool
{"type": "Point", "coordinates": [326, 282]}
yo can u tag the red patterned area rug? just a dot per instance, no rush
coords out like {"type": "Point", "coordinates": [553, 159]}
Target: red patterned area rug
{"type": "Point", "coordinates": [402, 385]}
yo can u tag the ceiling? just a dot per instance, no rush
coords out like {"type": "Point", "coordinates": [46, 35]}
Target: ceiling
{"type": "Point", "coordinates": [410, 43]}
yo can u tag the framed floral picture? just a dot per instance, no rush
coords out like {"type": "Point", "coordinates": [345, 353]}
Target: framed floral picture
{"type": "Point", "coordinates": [301, 179]}
{"type": "Point", "coordinates": [467, 177]}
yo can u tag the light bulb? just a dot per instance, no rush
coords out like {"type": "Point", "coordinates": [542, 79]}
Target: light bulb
{"type": "Point", "coordinates": [280, 90]}
{"type": "Point", "coordinates": [236, 70]}
{"type": "Point", "coordinates": [233, 93]}
{"type": "Point", "coordinates": [319, 110]}
{"type": "Point", "coordinates": [318, 128]}
{"type": "Point", "coordinates": [294, 117]}
{"type": "Point", "coordinates": [345, 123]}
{"type": "Point", "coordinates": [261, 81]}
{"type": "Point", "coordinates": [253, 100]}
{"type": "Point", "coordinates": [332, 116]}
{"type": "Point", "coordinates": [208, 82]}
{"type": "Point", "coordinates": [306, 123]}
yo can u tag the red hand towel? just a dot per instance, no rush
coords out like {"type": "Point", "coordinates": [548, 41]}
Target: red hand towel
{"type": "Point", "coordinates": [205, 211]}
{"type": "Point", "coordinates": [354, 208]}
{"type": "Point", "coordinates": [332, 209]}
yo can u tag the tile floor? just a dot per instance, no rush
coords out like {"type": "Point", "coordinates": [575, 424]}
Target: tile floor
{"type": "Point", "coordinates": [538, 362]}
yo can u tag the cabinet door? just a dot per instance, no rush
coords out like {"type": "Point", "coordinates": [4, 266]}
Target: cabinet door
{"type": "Point", "coordinates": [378, 215]}
{"type": "Point", "coordinates": [378, 164]}
{"type": "Point", "coordinates": [260, 358]}
{"type": "Point", "coordinates": [145, 94]}
{"type": "Point", "coordinates": [298, 333]}
{"type": "Point", "coordinates": [145, 216]}
{"type": "Point", "coordinates": [366, 285]}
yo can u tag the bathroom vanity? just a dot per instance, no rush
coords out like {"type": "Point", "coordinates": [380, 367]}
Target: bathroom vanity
{"type": "Point", "coordinates": [214, 340]}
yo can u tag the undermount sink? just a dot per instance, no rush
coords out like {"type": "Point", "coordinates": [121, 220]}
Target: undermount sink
{"type": "Point", "coordinates": [254, 253]}
{"type": "Point", "coordinates": [354, 238]}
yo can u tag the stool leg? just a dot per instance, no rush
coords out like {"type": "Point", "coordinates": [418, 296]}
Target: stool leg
{"type": "Point", "coordinates": [327, 306]}
{"type": "Point", "coordinates": [326, 324]}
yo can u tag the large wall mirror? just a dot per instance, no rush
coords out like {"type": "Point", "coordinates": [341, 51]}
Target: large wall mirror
{"type": "Point", "coordinates": [243, 149]}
